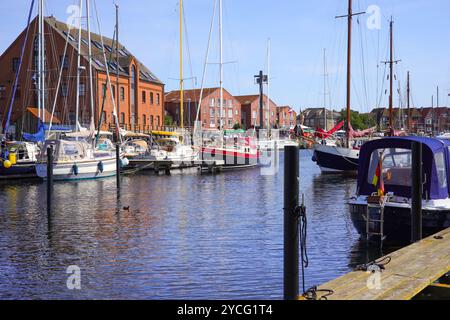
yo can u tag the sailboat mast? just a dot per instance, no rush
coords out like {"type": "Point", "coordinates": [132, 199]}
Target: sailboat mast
{"type": "Point", "coordinates": [42, 39]}
{"type": "Point", "coordinates": [77, 103]}
{"type": "Point", "coordinates": [268, 83]}
{"type": "Point", "coordinates": [391, 76]}
{"type": "Point", "coordinates": [181, 67]}
{"type": "Point", "coordinates": [39, 71]}
{"type": "Point", "coordinates": [349, 63]}
{"type": "Point", "coordinates": [221, 66]}
{"type": "Point", "coordinates": [408, 93]}
{"type": "Point", "coordinates": [91, 88]}
{"type": "Point", "coordinates": [117, 62]}
{"type": "Point", "coordinates": [325, 89]}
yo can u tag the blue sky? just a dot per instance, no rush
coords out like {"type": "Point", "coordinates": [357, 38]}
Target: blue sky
{"type": "Point", "coordinates": [299, 30]}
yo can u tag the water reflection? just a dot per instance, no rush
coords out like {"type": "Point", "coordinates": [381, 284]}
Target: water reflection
{"type": "Point", "coordinates": [183, 236]}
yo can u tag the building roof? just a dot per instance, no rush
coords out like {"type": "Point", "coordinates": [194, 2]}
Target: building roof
{"type": "Point", "coordinates": [192, 94]}
{"type": "Point", "coordinates": [34, 111]}
{"type": "Point", "coordinates": [125, 57]}
{"type": "Point", "coordinates": [318, 112]}
{"type": "Point", "coordinates": [248, 99]}
{"type": "Point", "coordinates": [289, 109]}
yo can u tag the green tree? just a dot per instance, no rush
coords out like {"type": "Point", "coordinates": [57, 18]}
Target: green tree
{"type": "Point", "coordinates": [168, 120]}
{"type": "Point", "coordinates": [359, 121]}
{"type": "Point", "coordinates": [237, 126]}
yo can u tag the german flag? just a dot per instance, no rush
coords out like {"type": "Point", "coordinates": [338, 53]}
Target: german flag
{"type": "Point", "coordinates": [377, 180]}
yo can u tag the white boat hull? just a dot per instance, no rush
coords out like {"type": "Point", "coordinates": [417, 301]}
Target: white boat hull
{"type": "Point", "coordinates": [85, 169]}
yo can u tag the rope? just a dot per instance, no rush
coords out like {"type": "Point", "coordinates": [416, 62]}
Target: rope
{"type": "Point", "coordinates": [311, 293]}
{"type": "Point", "coordinates": [367, 266]}
{"type": "Point", "coordinates": [300, 215]}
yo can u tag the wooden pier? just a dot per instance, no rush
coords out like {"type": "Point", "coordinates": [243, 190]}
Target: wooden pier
{"type": "Point", "coordinates": [409, 271]}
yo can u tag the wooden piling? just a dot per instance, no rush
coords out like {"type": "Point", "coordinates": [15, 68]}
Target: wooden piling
{"type": "Point", "coordinates": [291, 234]}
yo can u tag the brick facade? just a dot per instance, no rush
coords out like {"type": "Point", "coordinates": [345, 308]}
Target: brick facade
{"type": "Point", "coordinates": [138, 116]}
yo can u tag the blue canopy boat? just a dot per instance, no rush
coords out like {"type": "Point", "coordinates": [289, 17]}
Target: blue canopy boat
{"type": "Point", "coordinates": [388, 216]}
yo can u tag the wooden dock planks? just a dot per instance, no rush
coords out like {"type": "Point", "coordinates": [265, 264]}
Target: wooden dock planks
{"type": "Point", "coordinates": [410, 270]}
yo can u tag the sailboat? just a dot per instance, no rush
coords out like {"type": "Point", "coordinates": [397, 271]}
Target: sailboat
{"type": "Point", "coordinates": [335, 158]}
{"type": "Point", "coordinates": [235, 150]}
{"type": "Point", "coordinates": [18, 158]}
{"type": "Point", "coordinates": [78, 158]}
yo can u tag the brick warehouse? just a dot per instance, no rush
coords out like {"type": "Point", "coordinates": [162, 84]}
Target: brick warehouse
{"type": "Point", "coordinates": [250, 111]}
{"type": "Point", "coordinates": [140, 95]}
{"type": "Point", "coordinates": [210, 109]}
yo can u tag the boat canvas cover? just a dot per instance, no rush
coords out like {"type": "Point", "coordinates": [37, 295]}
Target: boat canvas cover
{"type": "Point", "coordinates": [435, 186]}
{"type": "Point", "coordinates": [68, 150]}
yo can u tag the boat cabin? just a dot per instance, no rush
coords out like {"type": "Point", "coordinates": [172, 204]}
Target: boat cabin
{"type": "Point", "coordinates": [394, 155]}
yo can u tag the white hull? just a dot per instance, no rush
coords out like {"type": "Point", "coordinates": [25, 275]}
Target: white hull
{"type": "Point", "coordinates": [76, 170]}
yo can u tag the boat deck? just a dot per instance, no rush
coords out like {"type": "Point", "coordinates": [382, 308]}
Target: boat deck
{"type": "Point", "coordinates": [410, 270]}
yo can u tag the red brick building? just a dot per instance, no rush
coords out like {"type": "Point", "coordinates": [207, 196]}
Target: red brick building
{"type": "Point", "coordinates": [139, 95]}
{"type": "Point", "coordinates": [209, 108]}
{"type": "Point", "coordinates": [250, 111]}
{"type": "Point", "coordinates": [286, 117]}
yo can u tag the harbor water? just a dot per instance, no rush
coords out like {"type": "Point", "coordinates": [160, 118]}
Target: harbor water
{"type": "Point", "coordinates": [184, 236]}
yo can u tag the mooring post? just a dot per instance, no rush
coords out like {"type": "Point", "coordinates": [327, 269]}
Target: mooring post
{"type": "Point", "coordinates": [291, 234]}
{"type": "Point", "coordinates": [49, 177]}
{"type": "Point", "coordinates": [416, 192]}
{"type": "Point", "coordinates": [118, 167]}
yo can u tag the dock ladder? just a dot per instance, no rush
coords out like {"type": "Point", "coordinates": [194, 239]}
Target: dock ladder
{"type": "Point", "coordinates": [375, 216]}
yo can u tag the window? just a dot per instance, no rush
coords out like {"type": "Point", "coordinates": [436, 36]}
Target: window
{"type": "Point", "coordinates": [236, 112]}
{"type": "Point", "coordinates": [211, 102]}
{"type": "Point", "coordinates": [113, 91]}
{"type": "Point", "coordinates": [64, 90]}
{"type": "Point", "coordinates": [122, 95]}
{"type": "Point", "coordinates": [144, 120]}
{"type": "Point", "coordinates": [396, 165]}
{"type": "Point", "coordinates": [101, 65]}
{"type": "Point", "coordinates": [211, 112]}
{"type": "Point", "coordinates": [15, 64]}
{"type": "Point", "coordinates": [151, 120]}
{"type": "Point", "coordinates": [85, 42]}
{"type": "Point", "coordinates": [122, 117]}
{"type": "Point", "coordinates": [157, 121]}
{"type": "Point", "coordinates": [103, 89]}
{"type": "Point", "coordinates": [144, 96]}
{"type": "Point", "coordinates": [151, 97]}
{"type": "Point", "coordinates": [440, 168]}
{"type": "Point", "coordinates": [122, 52]}
{"type": "Point", "coordinates": [82, 89]}
{"type": "Point", "coordinates": [230, 113]}
{"type": "Point", "coordinates": [64, 61]}
{"type": "Point", "coordinates": [112, 66]}
{"type": "Point", "coordinates": [254, 115]}
{"type": "Point", "coordinates": [230, 123]}
{"type": "Point", "coordinates": [69, 36]}
{"type": "Point", "coordinates": [97, 44]}
{"type": "Point", "coordinates": [230, 103]}
{"type": "Point", "coordinates": [2, 92]}
{"type": "Point", "coordinates": [157, 99]}
{"type": "Point", "coordinates": [108, 48]}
